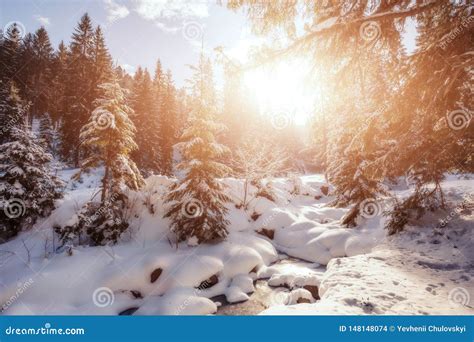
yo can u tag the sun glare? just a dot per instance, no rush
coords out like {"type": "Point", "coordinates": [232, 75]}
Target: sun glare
{"type": "Point", "coordinates": [281, 89]}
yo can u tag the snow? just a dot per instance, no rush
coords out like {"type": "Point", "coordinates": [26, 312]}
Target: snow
{"type": "Point", "coordinates": [298, 294]}
{"type": "Point", "coordinates": [421, 271]}
{"type": "Point", "coordinates": [357, 270]}
{"type": "Point", "coordinates": [234, 294]}
{"type": "Point", "coordinates": [178, 302]}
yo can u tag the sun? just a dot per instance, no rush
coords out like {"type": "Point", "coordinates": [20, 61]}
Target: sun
{"type": "Point", "coordinates": [283, 88]}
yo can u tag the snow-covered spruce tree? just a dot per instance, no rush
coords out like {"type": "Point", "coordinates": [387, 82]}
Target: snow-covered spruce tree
{"type": "Point", "coordinates": [109, 135]}
{"type": "Point", "coordinates": [197, 201]}
{"type": "Point", "coordinates": [27, 187]}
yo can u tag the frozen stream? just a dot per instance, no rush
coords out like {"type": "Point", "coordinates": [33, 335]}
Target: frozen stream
{"type": "Point", "coordinates": [266, 296]}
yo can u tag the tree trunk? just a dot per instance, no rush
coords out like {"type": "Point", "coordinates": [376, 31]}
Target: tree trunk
{"type": "Point", "coordinates": [104, 184]}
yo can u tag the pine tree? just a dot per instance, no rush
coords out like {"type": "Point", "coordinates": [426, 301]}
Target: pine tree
{"type": "Point", "coordinates": [42, 73]}
{"type": "Point", "coordinates": [60, 77]}
{"type": "Point", "coordinates": [168, 123]}
{"type": "Point", "coordinates": [27, 188]}
{"type": "Point", "coordinates": [24, 76]}
{"type": "Point", "coordinates": [102, 62]}
{"type": "Point", "coordinates": [197, 201]}
{"type": "Point", "coordinates": [9, 53]}
{"type": "Point", "coordinates": [158, 81]}
{"type": "Point", "coordinates": [146, 120]}
{"type": "Point", "coordinates": [109, 135]}
{"type": "Point", "coordinates": [80, 89]}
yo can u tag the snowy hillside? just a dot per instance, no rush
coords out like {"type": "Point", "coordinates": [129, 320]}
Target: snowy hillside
{"type": "Point", "coordinates": [275, 255]}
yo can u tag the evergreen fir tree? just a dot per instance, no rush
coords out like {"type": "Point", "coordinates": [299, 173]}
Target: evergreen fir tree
{"type": "Point", "coordinates": [197, 201]}
{"type": "Point", "coordinates": [168, 123]}
{"type": "Point", "coordinates": [42, 73]}
{"type": "Point", "coordinates": [9, 53]}
{"type": "Point", "coordinates": [25, 75]}
{"type": "Point", "coordinates": [102, 62]}
{"type": "Point", "coordinates": [146, 120]}
{"type": "Point", "coordinates": [109, 135]}
{"type": "Point", "coordinates": [27, 188]}
{"type": "Point", "coordinates": [60, 76]}
{"type": "Point", "coordinates": [158, 81]}
{"type": "Point", "coordinates": [80, 89]}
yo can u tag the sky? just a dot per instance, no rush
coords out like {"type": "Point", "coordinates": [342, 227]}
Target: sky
{"type": "Point", "coordinates": [138, 32]}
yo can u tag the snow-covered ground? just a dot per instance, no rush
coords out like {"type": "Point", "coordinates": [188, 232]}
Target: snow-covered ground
{"type": "Point", "coordinates": [421, 271]}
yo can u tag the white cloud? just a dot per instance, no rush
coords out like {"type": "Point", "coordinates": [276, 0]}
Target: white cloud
{"type": "Point", "coordinates": [42, 20]}
{"type": "Point", "coordinates": [115, 11]}
{"type": "Point", "coordinates": [169, 15]}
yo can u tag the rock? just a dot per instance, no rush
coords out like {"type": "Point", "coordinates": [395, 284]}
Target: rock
{"type": "Point", "coordinates": [324, 190]}
{"type": "Point", "coordinates": [255, 216]}
{"type": "Point", "coordinates": [213, 280]}
{"type": "Point", "coordinates": [128, 312]}
{"type": "Point", "coordinates": [155, 275]}
{"type": "Point", "coordinates": [318, 197]}
{"type": "Point", "coordinates": [314, 291]}
{"type": "Point", "coordinates": [254, 270]}
{"type": "Point", "coordinates": [136, 294]}
{"type": "Point", "coordinates": [269, 233]}
{"type": "Point", "coordinates": [303, 300]}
